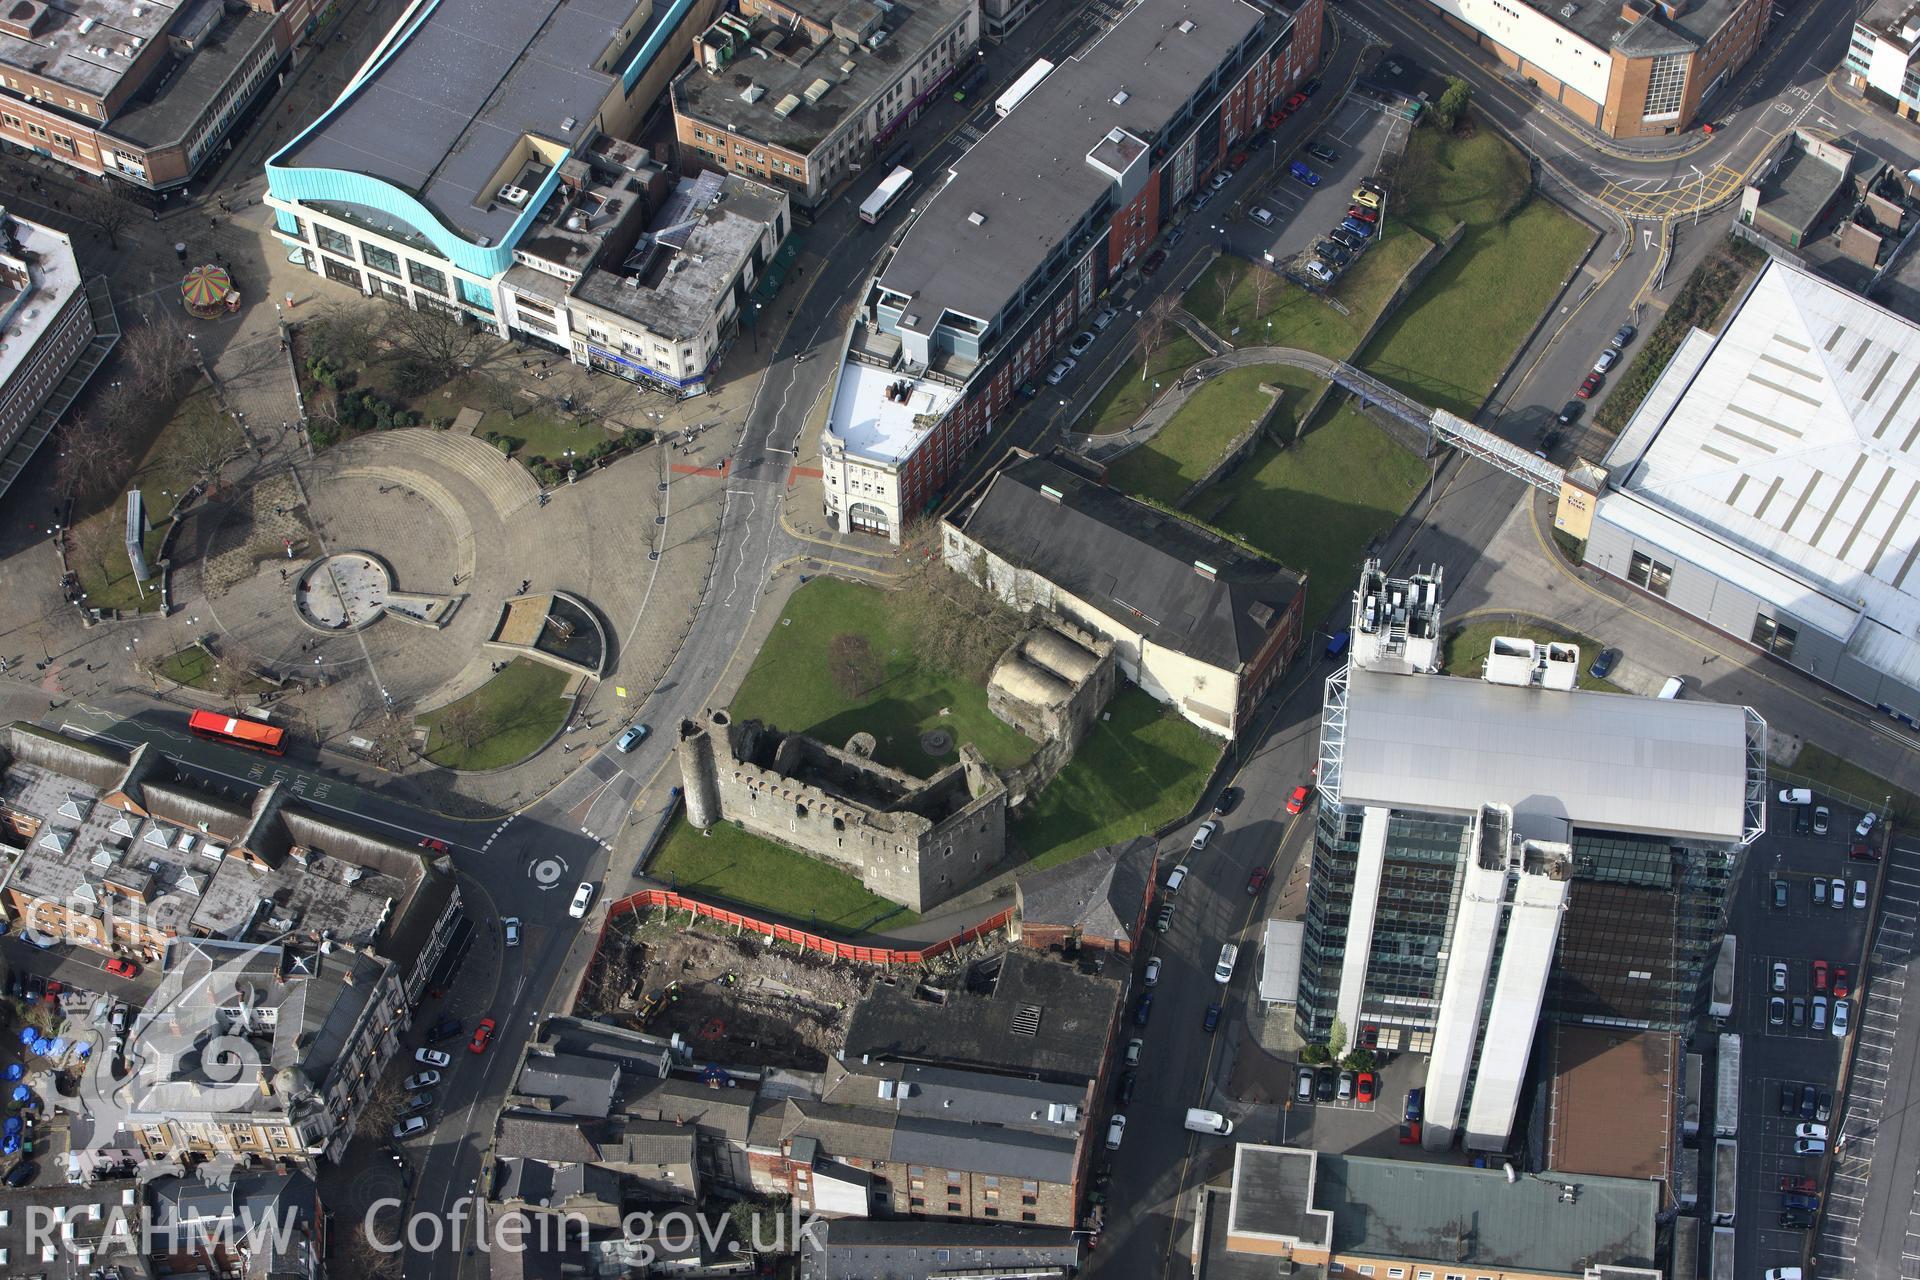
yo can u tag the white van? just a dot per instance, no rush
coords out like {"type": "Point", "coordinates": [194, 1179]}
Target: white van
{"type": "Point", "coordinates": [1203, 1121]}
{"type": "Point", "coordinates": [1671, 689]}
{"type": "Point", "coordinates": [1223, 971]}
{"type": "Point", "coordinates": [1796, 795]}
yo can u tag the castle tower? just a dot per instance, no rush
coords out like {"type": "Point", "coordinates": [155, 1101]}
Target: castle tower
{"type": "Point", "coordinates": [698, 782]}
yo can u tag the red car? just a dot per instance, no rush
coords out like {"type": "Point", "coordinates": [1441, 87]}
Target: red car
{"type": "Point", "coordinates": [1842, 984]}
{"type": "Point", "coordinates": [1799, 1182]}
{"type": "Point", "coordinates": [1363, 215]}
{"type": "Point", "coordinates": [1587, 388]}
{"type": "Point", "coordinates": [53, 991]}
{"type": "Point", "coordinates": [1278, 118]}
{"type": "Point", "coordinates": [1296, 102]}
{"type": "Point", "coordinates": [1363, 1088]}
{"type": "Point", "coordinates": [1257, 881]}
{"type": "Point", "coordinates": [436, 846]}
{"type": "Point", "coordinates": [1820, 976]}
{"type": "Point", "coordinates": [1410, 1133]}
{"type": "Point", "coordinates": [1864, 853]}
{"type": "Point", "coordinates": [1154, 262]}
{"type": "Point", "coordinates": [1236, 161]}
{"type": "Point", "coordinates": [1298, 800]}
{"type": "Point", "coordinates": [123, 968]}
{"type": "Point", "coordinates": [482, 1036]}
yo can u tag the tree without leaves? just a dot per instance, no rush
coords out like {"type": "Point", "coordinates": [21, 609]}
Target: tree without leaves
{"type": "Point", "coordinates": [463, 725]}
{"type": "Point", "coordinates": [91, 457]}
{"type": "Point", "coordinates": [855, 668]}
{"type": "Point", "coordinates": [1228, 275]}
{"type": "Point", "coordinates": [356, 1254]}
{"type": "Point", "coordinates": [99, 544]}
{"type": "Point", "coordinates": [110, 212]}
{"type": "Point", "coordinates": [205, 446]}
{"type": "Point", "coordinates": [158, 358]}
{"type": "Point", "coordinates": [958, 627]}
{"type": "Point", "coordinates": [345, 334]}
{"type": "Point", "coordinates": [1152, 328]}
{"type": "Point", "coordinates": [440, 344]}
{"type": "Point", "coordinates": [1261, 287]}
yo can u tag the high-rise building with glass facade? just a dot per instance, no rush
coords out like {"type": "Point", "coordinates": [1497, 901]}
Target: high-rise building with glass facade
{"type": "Point", "coordinates": [1490, 852]}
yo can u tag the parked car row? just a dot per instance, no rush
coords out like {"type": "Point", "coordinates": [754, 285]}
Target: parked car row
{"type": "Point", "coordinates": [1616, 348]}
{"type": "Point", "coordinates": [1346, 242]}
{"type": "Point", "coordinates": [1328, 1084]}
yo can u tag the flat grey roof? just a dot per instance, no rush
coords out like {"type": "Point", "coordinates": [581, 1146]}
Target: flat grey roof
{"type": "Point", "coordinates": [170, 104]}
{"type": "Point", "coordinates": [674, 281]}
{"type": "Point", "coordinates": [854, 71]}
{"type": "Point", "coordinates": [1800, 187]}
{"type": "Point", "coordinates": [1474, 1219]}
{"type": "Point", "coordinates": [474, 78]}
{"type": "Point", "coordinates": [1028, 180]}
{"type": "Point", "coordinates": [1596, 760]}
{"type": "Point", "coordinates": [1272, 1194]}
{"type": "Point", "coordinates": [91, 61]}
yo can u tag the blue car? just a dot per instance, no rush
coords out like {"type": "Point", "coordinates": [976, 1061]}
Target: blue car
{"type": "Point", "coordinates": [1356, 227]}
{"type": "Point", "coordinates": [633, 737]}
{"type": "Point", "coordinates": [1212, 1020]}
{"type": "Point", "coordinates": [1303, 174]}
{"type": "Point", "coordinates": [1144, 1010]}
{"type": "Point", "coordinates": [1415, 1099]}
{"type": "Point", "coordinates": [1799, 1201]}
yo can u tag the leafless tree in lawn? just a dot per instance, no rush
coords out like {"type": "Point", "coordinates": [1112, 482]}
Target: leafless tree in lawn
{"type": "Point", "coordinates": [1261, 287]}
{"type": "Point", "coordinates": [204, 445]}
{"type": "Point", "coordinates": [439, 345]}
{"type": "Point", "coordinates": [958, 627]}
{"type": "Point", "coordinates": [1151, 330]}
{"type": "Point", "coordinates": [1228, 275]}
{"type": "Point", "coordinates": [92, 456]}
{"type": "Point", "coordinates": [345, 334]}
{"type": "Point", "coordinates": [101, 545]}
{"type": "Point", "coordinates": [463, 725]}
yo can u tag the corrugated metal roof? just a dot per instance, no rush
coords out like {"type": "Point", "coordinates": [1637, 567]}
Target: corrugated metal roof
{"type": "Point", "coordinates": [1794, 443]}
{"type": "Point", "coordinates": [1598, 760]}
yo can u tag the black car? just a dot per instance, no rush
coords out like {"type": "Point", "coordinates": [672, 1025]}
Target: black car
{"type": "Point", "coordinates": [1795, 1220]}
{"type": "Point", "coordinates": [1144, 1009]}
{"type": "Point", "coordinates": [22, 1174]}
{"type": "Point", "coordinates": [1789, 1098]}
{"type": "Point", "coordinates": [1211, 1021]}
{"type": "Point", "coordinates": [1802, 820]}
{"type": "Point", "coordinates": [1347, 238]}
{"type": "Point", "coordinates": [1225, 804]}
{"type": "Point", "coordinates": [1603, 664]}
{"type": "Point", "coordinates": [1322, 152]}
{"type": "Point", "coordinates": [443, 1028]}
{"type": "Point", "coordinates": [1123, 1092]}
{"type": "Point", "coordinates": [1333, 251]}
{"type": "Point", "coordinates": [1809, 1101]}
{"type": "Point", "coordinates": [1623, 335]}
{"type": "Point", "coordinates": [1570, 413]}
{"type": "Point", "coordinates": [36, 987]}
{"type": "Point", "coordinates": [1797, 1011]}
{"type": "Point", "coordinates": [1323, 1084]}
{"type": "Point", "coordinates": [1311, 87]}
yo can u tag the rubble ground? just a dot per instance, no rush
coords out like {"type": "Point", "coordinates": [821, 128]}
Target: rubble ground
{"type": "Point", "coordinates": [738, 998]}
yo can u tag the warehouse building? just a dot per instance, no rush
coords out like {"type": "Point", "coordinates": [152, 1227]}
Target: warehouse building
{"type": "Point", "coordinates": [1768, 486]}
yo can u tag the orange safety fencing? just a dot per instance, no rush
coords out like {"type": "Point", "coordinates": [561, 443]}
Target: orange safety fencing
{"type": "Point", "coordinates": [800, 937]}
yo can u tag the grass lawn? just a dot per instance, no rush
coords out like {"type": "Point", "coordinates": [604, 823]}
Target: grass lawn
{"type": "Point", "coordinates": [1180, 452]}
{"type": "Point", "coordinates": [96, 546]}
{"type": "Point", "coordinates": [763, 876]}
{"type": "Point", "coordinates": [520, 708]}
{"type": "Point", "coordinates": [194, 667]}
{"type": "Point", "coordinates": [1316, 506]}
{"type": "Point", "coordinates": [789, 686]}
{"type": "Point", "coordinates": [542, 435]}
{"type": "Point", "coordinates": [1447, 180]}
{"type": "Point", "coordinates": [1141, 767]}
{"type": "Point", "coordinates": [1466, 649]}
{"type": "Point", "coordinates": [1824, 769]}
{"type": "Point", "coordinates": [1126, 396]}
{"type": "Point", "coordinates": [1296, 318]}
{"type": "Point", "coordinates": [1502, 276]}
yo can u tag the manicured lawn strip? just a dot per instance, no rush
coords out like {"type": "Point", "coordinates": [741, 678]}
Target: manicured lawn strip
{"type": "Point", "coordinates": [1294, 317]}
{"type": "Point", "coordinates": [765, 877]}
{"type": "Point", "coordinates": [1449, 342]}
{"type": "Point", "coordinates": [521, 708]}
{"type": "Point", "coordinates": [1466, 649]}
{"type": "Point", "coordinates": [1125, 397]}
{"type": "Point", "coordinates": [1182, 451]}
{"type": "Point", "coordinates": [1316, 506]}
{"type": "Point", "coordinates": [1138, 769]}
{"type": "Point", "coordinates": [789, 686]}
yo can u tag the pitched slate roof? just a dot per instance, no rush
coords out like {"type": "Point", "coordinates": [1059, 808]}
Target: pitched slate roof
{"type": "Point", "coordinates": [1181, 585]}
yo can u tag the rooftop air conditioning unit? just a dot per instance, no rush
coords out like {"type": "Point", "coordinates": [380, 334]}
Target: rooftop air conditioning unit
{"type": "Point", "coordinates": [515, 196]}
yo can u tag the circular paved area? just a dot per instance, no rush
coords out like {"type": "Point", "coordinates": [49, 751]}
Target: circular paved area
{"type": "Point", "coordinates": [343, 591]}
{"type": "Point", "coordinates": [446, 515]}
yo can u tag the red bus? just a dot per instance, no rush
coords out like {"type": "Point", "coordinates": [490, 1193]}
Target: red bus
{"type": "Point", "coordinates": [235, 732]}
